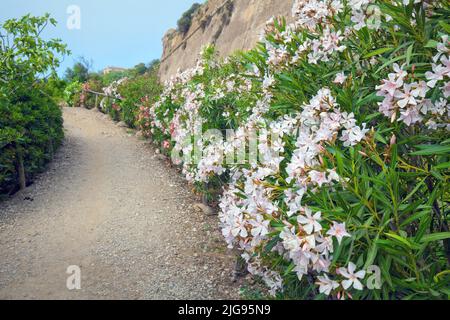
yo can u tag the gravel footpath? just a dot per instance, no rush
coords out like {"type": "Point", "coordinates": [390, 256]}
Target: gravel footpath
{"type": "Point", "coordinates": [109, 204]}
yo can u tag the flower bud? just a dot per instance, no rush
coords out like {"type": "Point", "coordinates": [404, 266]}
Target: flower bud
{"type": "Point", "coordinates": [393, 140]}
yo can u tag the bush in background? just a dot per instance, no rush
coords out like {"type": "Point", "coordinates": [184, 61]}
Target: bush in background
{"type": "Point", "coordinates": [144, 86]}
{"type": "Point", "coordinates": [72, 94]}
{"type": "Point", "coordinates": [125, 96]}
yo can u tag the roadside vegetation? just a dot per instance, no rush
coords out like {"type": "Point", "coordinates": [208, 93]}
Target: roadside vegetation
{"type": "Point", "coordinates": [349, 198]}
{"type": "Point", "coordinates": [334, 181]}
{"type": "Point", "coordinates": [30, 119]}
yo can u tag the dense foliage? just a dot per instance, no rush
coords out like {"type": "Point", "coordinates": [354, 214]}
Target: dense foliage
{"type": "Point", "coordinates": [79, 72]}
{"type": "Point", "coordinates": [72, 94]}
{"type": "Point", "coordinates": [145, 87]}
{"type": "Point", "coordinates": [30, 120]}
{"type": "Point", "coordinates": [348, 194]}
{"type": "Point", "coordinates": [30, 131]}
{"type": "Point", "coordinates": [125, 96]}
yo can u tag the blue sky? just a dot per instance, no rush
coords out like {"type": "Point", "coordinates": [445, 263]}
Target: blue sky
{"type": "Point", "coordinates": [118, 33]}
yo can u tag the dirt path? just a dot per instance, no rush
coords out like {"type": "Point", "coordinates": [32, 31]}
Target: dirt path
{"type": "Point", "coordinates": [109, 205]}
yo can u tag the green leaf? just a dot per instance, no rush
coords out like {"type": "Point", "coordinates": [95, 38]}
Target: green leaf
{"type": "Point", "coordinates": [445, 26]}
{"type": "Point", "coordinates": [372, 253]}
{"type": "Point", "coordinates": [442, 166]}
{"type": "Point", "coordinates": [432, 149]}
{"type": "Point", "coordinates": [402, 241]}
{"type": "Point", "coordinates": [409, 54]}
{"type": "Point", "coordinates": [414, 217]}
{"type": "Point", "coordinates": [431, 44]}
{"type": "Point", "coordinates": [369, 99]}
{"type": "Point", "coordinates": [377, 52]}
{"type": "Point", "coordinates": [389, 62]}
{"type": "Point", "coordinates": [435, 237]}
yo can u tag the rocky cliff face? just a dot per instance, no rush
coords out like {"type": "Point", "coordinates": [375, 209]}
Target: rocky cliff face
{"type": "Point", "coordinates": [230, 25]}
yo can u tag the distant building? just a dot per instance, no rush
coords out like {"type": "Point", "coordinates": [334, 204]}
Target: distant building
{"type": "Point", "coordinates": [113, 69]}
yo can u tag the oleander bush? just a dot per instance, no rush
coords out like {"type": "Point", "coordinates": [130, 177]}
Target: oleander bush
{"type": "Point", "coordinates": [30, 119]}
{"type": "Point", "coordinates": [127, 96]}
{"type": "Point", "coordinates": [145, 87]}
{"type": "Point", "coordinates": [348, 195]}
{"type": "Point", "coordinates": [110, 103]}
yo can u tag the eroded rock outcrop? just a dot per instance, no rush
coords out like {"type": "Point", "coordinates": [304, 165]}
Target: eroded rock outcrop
{"type": "Point", "coordinates": [230, 25]}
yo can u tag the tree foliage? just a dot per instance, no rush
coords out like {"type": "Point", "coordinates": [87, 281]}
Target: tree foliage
{"type": "Point", "coordinates": [30, 120]}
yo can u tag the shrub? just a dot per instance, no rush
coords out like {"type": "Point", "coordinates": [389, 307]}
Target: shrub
{"type": "Point", "coordinates": [30, 120]}
{"type": "Point", "coordinates": [184, 23]}
{"type": "Point", "coordinates": [351, 107]}
{"type": "Point", "coordinates": [142, 86]}
{"type": "Point", "coordinates": [30, 132]}
{"type": "Point", "coordinates": [126, 96]}
{"type": "Point", "coordinates": [72, 94]}
{"type": "Point", "coordinates": [55, 87]}
{"type": "Point", "coordinates": [110, 103]}
{"type": "Point", "coordinates": [89, 100]}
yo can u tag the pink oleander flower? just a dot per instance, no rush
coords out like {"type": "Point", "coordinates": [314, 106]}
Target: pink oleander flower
{"type": "Point", "coordinates": [390, 86]}
{"type": "Point", "coordinates": [340, 78]}
{"type": "Point", "coordinates": [318, 177]}
{"type": "Point", "coordinates": [260, 226]}
{"type": "Point", "coordinates": [354, 135]}
{"type": "Point", "coordinates": [437, 75]}
{"type": "Point", "coordinates": [419, 89]}
{"type": "Point", "coordinates": [410, 115]}
{"type": "Point", "coordinates": [352, 277]}
{"type": "Point", "coordinates": [406, 97]}
{"type": "Point", "coordinates": [326, 285]}
{"type": "Point", "coordinates": [310, 223]}
{"type": "Point", "coordinates": [338, 231]}
{"type": "Point", "coordinates": [446, 89]}
{"type": "Point", "coordinates": [399, 72]}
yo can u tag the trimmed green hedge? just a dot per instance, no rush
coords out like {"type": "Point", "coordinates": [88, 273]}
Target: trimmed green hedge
{"type": "Point", "coordinates": [31, 128]}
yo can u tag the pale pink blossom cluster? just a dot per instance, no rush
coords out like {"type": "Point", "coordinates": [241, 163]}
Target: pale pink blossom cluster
{"type": "Point", "coordinates": [246, 220]}
{"type": "Point", "coordinates": [278, 55]}
{"type": "Point", "coordinates": [325, 46]}
{"type": "Point", "coordinates": [205, 157]}
{"type": "Point", "coordinates": [112, 89]}
{"type": "Point", "coordinates": [112, 92]}
{"type": "Point", "coordinates": [266, 197]}
{"type": "Point", "coordinates": [272, 279]}
{"type": "Point", "coordinates": [232, 84]}
{"type": "Point", "coordinates": [175, 90]}
{"type": "Point", "coordinates": [310, 14]}
{"type": "Point", "coordinates": [365, 13]}
{"type": "Point", "coordinates": [408, 99]}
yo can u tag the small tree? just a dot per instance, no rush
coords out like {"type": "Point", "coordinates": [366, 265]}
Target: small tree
{"type": "Point", "coordinates": [24, 56]}
{"type": "Point", "coordinates": [80, 71]}
{"type": "Point", "coordinates": [139, 69]}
